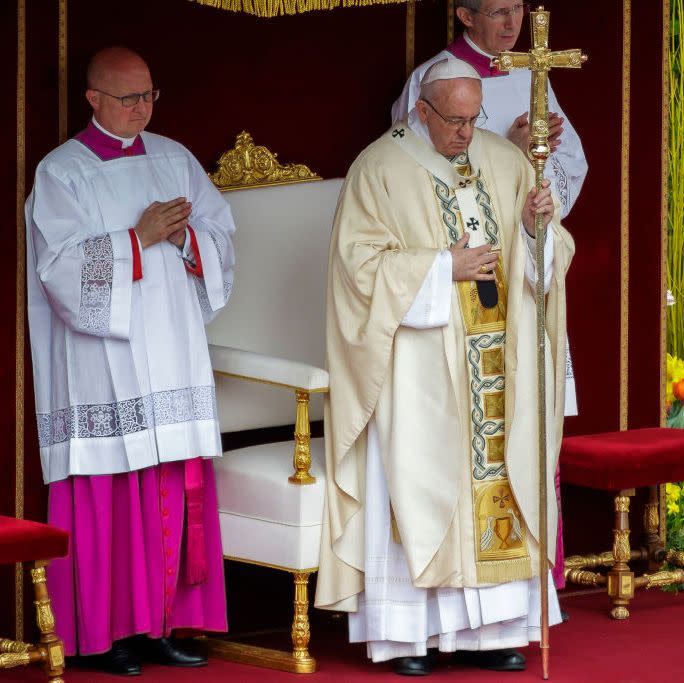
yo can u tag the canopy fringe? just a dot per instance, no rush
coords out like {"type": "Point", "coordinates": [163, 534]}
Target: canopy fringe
{"type": "Point", "coordinates": [274, 8]}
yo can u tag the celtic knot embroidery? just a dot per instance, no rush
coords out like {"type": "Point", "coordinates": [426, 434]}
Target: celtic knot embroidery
{"type": "Point", "coordinates": [483, 427]}
{"type": "Point", "coordinates": [133, 415]}
{"type": "Point", "coordinates": [485, 203]}
{"type": "Point", "coordinates": [97, 273]}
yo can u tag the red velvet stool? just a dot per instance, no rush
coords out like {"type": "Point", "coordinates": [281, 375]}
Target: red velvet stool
{"type": "Point", "coordinates": [24, 541]}
{"type": "Point", "coordinates": [623, 462]}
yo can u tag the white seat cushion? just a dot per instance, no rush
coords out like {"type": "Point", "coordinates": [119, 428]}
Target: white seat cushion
{"type": "Point", "coordinates": [264, 518]}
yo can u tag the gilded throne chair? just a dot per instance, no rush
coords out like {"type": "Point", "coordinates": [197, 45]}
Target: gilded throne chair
{"type": "Point", "coordinates": [268, 351]}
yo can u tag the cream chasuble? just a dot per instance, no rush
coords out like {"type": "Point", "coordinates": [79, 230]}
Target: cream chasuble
{"type": "Point", "coordinates": [462, 487]}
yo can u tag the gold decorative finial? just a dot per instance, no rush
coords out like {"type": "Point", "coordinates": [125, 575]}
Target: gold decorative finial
{"type": "Point", "coordinates": [248, 165]}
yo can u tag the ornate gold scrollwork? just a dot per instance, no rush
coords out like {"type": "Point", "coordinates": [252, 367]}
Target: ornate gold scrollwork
{"type": "Point", "coordinates": [622, 503]}
{"type": "Point", "coordinates": [301, 633]}
{"type": "Point", "coordinates": [584, 578]}
{"type": "Point", "coordinates": [44, 616]}
{"type": "Point", "coordinates": [589, 561]}
{"type": "Point", "coordinates": [664, 578]}
{"type": "Point", "coordinates": [675, 557]}
{"type": "Point", "coordinates": [302, 451]}
{"type": "Point", "coordinates": [38, 575]}
{"type": "Point", "coordinates": [12, 659]}
{"type": "Point", "coordinates": [13, 646]}
{"type": "Point", "coordinates": [248, 165]}
{"type": "Point", "coordinates": [619, 613]}
{"type": "Point", "coordinates": [621, 549]}
{"type": "Point", "coordinates": [651, 518]}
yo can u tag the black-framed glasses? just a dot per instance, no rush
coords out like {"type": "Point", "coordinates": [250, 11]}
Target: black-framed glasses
{"type": "Point", "coordinates": [457, 122]}
{"type": "Point", "coordinates": [505, 12]}
{"type": "Point", "coordinates": [133, 98]}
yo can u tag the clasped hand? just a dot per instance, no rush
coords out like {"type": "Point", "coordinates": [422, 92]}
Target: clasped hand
{"type": "Point", "coordinates": [472, 264]}
{"type": "Point", "coordinates": [164, 221]}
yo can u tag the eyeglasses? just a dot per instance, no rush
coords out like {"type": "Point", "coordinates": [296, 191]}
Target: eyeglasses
{"type": "Point", "coordinates": [131, 100]}
{"type": "Point", "coordinates": [503, 13]}
{"type": "Point", "coordinates": [456, 122]}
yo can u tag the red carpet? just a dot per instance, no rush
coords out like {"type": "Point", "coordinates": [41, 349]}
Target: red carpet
{"type": "Point", "coordinates": [590, 648]}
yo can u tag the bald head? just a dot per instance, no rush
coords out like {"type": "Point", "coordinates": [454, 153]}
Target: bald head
{"type": "Point", "coordinates": [112, 74]}
{"type": "Point", "coordinates": [111, 61]}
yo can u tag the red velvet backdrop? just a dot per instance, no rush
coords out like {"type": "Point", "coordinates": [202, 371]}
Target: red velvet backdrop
{"type": "Point", "coordinates": [317, 88]}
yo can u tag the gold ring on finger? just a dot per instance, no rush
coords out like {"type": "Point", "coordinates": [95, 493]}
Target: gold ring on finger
{"type": "Point", "coordinates": [484, 269]}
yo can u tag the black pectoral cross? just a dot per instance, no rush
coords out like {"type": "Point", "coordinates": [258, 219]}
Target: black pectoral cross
{"type": "Point", "coordinates": [398, 132]}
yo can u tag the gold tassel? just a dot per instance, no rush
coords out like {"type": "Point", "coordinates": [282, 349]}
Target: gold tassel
{"type": "Point", "coordinates": [501, 571]}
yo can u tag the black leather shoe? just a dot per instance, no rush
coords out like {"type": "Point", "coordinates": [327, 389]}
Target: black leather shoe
{"type": "Point", "coordinates": [412, 666]}
{"type": "Point", "coordinates": [494, 660]}
{"type": "Point", "coordinates": [120, 660]}
{"type": "Point", "coordinates": [169, 652]}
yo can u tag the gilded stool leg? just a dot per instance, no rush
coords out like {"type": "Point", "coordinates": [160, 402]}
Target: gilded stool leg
{"type": "Point", "coordinates": [620, 577]}
{"type": "Point", "coordinates": [652, 541]}
{"type": "Point", "coordinates": [301, 633]}
{"type": "Point", "coordinates": [49, 640]}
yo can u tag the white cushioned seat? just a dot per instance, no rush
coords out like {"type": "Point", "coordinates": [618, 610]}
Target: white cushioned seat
{"type": "Point", "coordinates": [264, 518]}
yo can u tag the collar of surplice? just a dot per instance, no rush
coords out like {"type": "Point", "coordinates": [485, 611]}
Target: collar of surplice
{"type": "Point", "coordinates": [481, 62]}
{"type": "Point", "coordinates": [107, 147]}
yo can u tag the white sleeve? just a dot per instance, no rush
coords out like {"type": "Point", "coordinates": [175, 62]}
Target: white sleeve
{"type": "Point", "coordinates": [86, 274]}
{"type": "Point", "coordinates": [531, 260]}
{"type": "Point", "coordinates": [212, 223]}
{"type": "Point", "coordinates": [567, 166]}
{"type": "Point", "coordinates": [432, 305]}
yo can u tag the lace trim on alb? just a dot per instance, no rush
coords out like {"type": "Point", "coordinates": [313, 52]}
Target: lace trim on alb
{"type": "Point", "coordinates": [102, 420]}
{"type": "Point", "coordinates": [97, 274]}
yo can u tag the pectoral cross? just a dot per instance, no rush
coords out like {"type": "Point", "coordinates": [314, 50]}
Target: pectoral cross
{"type": "Point", "coordinates": [540, 60]}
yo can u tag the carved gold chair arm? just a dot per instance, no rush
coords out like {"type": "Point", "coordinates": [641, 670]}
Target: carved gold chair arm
{"type": "Point", "coordinates": [304, 379]}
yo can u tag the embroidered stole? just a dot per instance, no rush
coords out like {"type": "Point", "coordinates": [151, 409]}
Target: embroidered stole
{"type": "Point", "coordinates": [464, 204]}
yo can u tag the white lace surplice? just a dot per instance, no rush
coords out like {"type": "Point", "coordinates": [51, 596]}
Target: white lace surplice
{"type": "Point", "coordinates": [122, 372]}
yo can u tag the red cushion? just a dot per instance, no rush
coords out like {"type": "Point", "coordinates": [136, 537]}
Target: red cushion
{"type": "Point", "coordinates": [623, 460]}
{"type": "Point", "coordinates": [24, 541]}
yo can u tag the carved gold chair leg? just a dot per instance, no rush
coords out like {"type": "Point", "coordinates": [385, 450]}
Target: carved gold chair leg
{"type": "Point", "coordinates": [301, 632]}
{"type": "Point", "coordinates": [50, 642]}
{"type": "Point", "coordinates": [652, 541]}
{"type": "Point", "coordinates": [620, 577]}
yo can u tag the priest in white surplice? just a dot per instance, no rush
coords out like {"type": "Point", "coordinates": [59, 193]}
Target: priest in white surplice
{"type": "Point", "coordinates": [129, 250]}
{"type": "Point", "coordinates": [492, 26]}
{"type": "Point", "coordinates": [431, 526]}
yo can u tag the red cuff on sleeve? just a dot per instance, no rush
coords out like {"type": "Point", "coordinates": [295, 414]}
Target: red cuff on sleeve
{"type": "Point", "coordinates": [137, 261]}
{"type": "Point", "coordinates": [197, 270]}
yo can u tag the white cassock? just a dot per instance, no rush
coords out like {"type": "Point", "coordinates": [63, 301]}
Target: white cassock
{"type": "Point", "coordinates": [504, 98]}
{"type": "Point", "coordinates": [122, 373]}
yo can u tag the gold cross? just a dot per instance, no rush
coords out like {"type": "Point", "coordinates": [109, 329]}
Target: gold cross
{"type": "Point", "coordinates": [540, 60]}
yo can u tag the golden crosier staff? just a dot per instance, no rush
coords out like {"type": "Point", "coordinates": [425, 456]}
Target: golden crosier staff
{"type": "Point", "coordinates": [540, 60]}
